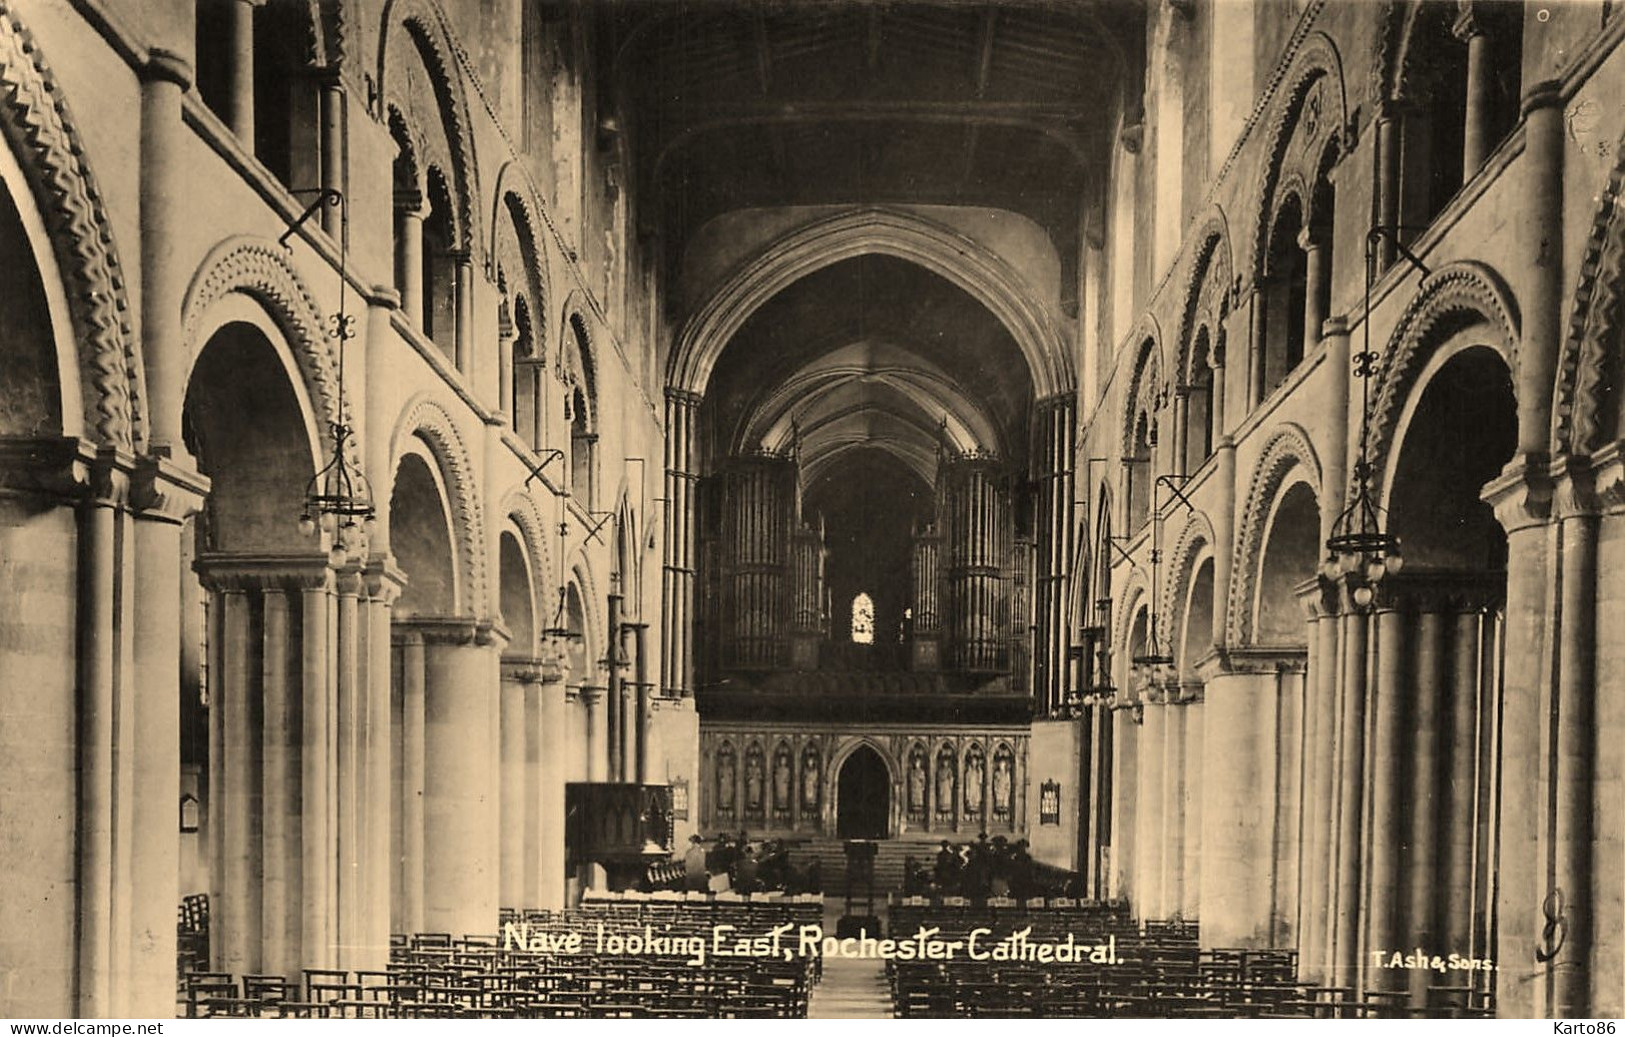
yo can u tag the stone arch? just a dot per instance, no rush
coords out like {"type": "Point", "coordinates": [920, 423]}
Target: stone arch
{"type": "Point", "coordinates": [578, 351]}
{"type": "Point", "coordinates": [42, 134]}
{"type": "Point", "coordinates": [1205, 293]}
{"type": "Point", "coordinates": [1316, 61]}
{"type": "Point", "coordinates": [1585, 403]}
{"type": "Point", "coordinates": [515, 207]}
{"type": "Point", "coordinates": [1288, 457]}
{"type": "Point", "coordinates": [521, 509]}
{"type": "Point", "coordinates": [1147, 375]}
{"type": "Point", "coordinates": [865, 231]}
{"type": "Point", "coordinates": [517, 198]}
{"type": "Point", "coordinates": [425, 419]}
{"type": "Point", "coordinates": [426, 26]}
{"type": "Point", "coordinates": [259, 269]}
{"type": "Point", "coordinates": [592, 605]}
{"type": "Point", "coordinates": [1136, 595]}
{"type": "Point", "coordinates": [1454, 296]}
{"type": "Point", "coordinates": [844, 752]}
{"type": "Point", "coordinates": [1195, 542]}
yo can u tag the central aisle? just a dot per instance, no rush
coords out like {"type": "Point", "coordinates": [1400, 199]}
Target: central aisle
{"type": "Point", "coordinates": [852, 988]}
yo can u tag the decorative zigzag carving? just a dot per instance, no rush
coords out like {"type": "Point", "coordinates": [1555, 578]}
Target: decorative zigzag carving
{"type": "Point", "coordinates": [260, 269]}
{"type": "Point", "coordinates": [424, 20]}
{"type": "Point", "coordinates": [1287, 449]}
{"type": "Point", "coordinates": [1198, 532]}
{"type": "Point", "coordinates": [1316, 62]}
{"type": "Point", "coordinates": [34, 118]}
{"type": "Point", "coordinates": [1206, 288]}
{"type": "Point", "coordinates": [521, 508]}
{"type": "Point", "coordinates": [430, 422]}
{"type": "Point", "coordinates": [1450, 298]}
{"type": "Point", "coordinates": [1584, 396]}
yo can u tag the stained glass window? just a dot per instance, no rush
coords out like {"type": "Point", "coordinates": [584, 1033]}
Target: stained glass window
{"type": "Point", "coordinates": [863, 620]}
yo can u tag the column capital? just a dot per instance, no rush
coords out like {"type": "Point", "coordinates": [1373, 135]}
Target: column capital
{"type": "Point", "coordinates": [51, 468]}
{"type": "Point", "coordinates": [242, 572]}
{"type": "Point", "coordinates": [382, 580]}
{"type": "Point", "coordinates": [165, 491]}
{"type": "Point", "coordinates": [409, 203]}
{"type": "Point", "coordinates": [526, 670]}
{"type": "Point", "coordinates": [166, 66]}
{"type": "Point", "coordinates": [1469, 21]}
{"type": "Point", "coordinates": [445, 630]}
{"type": "Point", "coordinates": [590, 695]}
{"type": "Point", "coordinates": [385, 296]}
{"type": "Point", "coordinates": [1547, 93]}
{"type": "Point", "coordinates": [1522, 495]}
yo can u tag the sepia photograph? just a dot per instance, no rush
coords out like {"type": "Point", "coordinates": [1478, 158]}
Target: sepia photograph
{"type": "Point", "coordinates": [811, 509]}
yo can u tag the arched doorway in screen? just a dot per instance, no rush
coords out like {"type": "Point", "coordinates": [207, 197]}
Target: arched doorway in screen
{"type": "Point", "coordinates": [863, 796]}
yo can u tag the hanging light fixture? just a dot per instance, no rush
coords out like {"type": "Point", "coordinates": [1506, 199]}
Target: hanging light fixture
{"type": "Point", "coordinates": [557, 637]}
{"type": "Point", "coordinates": [1360, 550]}
{"type": "Point", "coordinates": [1156, 662]}
{"type": "Point", "coordinates": [338, 499]}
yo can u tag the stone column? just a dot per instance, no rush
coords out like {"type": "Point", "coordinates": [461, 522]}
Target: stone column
{"type": "Point", "coordinates": [332, 113]}
{"type": "Point", "coordinates": [164, 495]}
{"type": "Point", "coordinates": [1148, 819]}
{"type": "Point", "coordinates": [1388, 789]}
{"type": "Point", "coordinates": [1573, 761]}
{"type": "Point", "coordinates": [1173, 804]}
{"type": "Point", "coordinates": [409, 216]}
{"type": "Point", "coordinates": [1320, 697]}
{"type": "Point", "coordinates": [1315, 288]}
{"type": "Point", "coordinates": [1469, 28]}
{"type": "Point", "coordinates": [1426, 789]}
{"type": "Point", "coordinates": [1334, 462]}
{"type": "Point", "coordinates": [1237, 825]}
{"type": "Point", "coordinates": [164, 219]}
{"type": "Point", "coordinates": [677, 577]}
{"type": "Point", "coordinates": [506, 411]}
{"type": "Point", "coordinates": [240, 72]}
{"type": "Point", "coordinates": [1540, 226]}
{"type": "Point", "coordinates": [460, 811]}
{"type": "Point", "coordinates": [1345, 965]}
{"type": "Point", "coordinates": [1387, 121]}
{"type": "Point", "coordinates": [412, 654]}
{"type": "Point", "coordinates": [381, 585]}
{"type": "Point", "coordinates": [519, 784]}
{"type": "Point", "coordinates": [592, 698]}
{"type": "Point", "coordinates": [463, 310]}
{"type": "Point", "coordinates": [551, 809]}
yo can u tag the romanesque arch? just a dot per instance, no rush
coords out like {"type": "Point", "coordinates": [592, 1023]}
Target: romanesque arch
{"type": "Point", "coordinates": [1453, 297]}
{"type": "Point", "coordinates": [427, 420]}
{"type": "Point", "coordinates": [40, 130]}
{"type": "Point", "coordinates": [422, 26]}
{"type": "Point", "coordinates": [1305, 118]}
{"type": "Point", "coordinates": [868, 231]}
{"type": "Point", "coordinates": [260, 270]}
{"type": "Point", "coordinates": [1289, 457]}
{"type": "Point", "coordinates": [1205, 292]}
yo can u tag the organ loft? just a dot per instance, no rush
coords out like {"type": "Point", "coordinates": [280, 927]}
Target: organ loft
{"type": "Point", "coordinates": [1148, 470]}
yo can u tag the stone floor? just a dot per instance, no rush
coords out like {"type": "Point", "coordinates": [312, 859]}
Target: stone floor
{"type": "Point", "coordinates": [852, 988]}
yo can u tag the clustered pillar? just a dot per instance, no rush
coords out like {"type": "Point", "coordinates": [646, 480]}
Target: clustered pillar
{"type": "Point", "coordinates": [1399, 777]}
{"type": "Point", "coordinates": [299, 703]}
{"type": "Point", "coordinates": [448, 799]}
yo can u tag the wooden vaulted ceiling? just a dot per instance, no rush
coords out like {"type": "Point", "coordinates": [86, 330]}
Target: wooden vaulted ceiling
{"type": "Point", "coordinates": [730, 105]}
{"type": "Point", "coordinates": [778, 102]}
